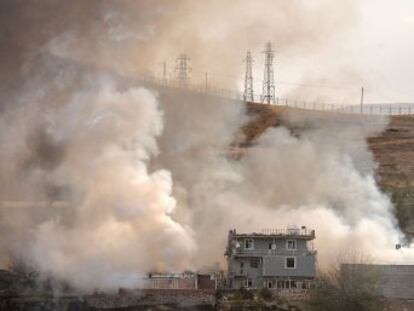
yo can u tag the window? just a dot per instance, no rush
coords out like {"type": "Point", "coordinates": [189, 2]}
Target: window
{"type": "Point", "coordinates": [272, 246]}
{"type": "Point", "coordinates": [241, 267]}
{"type": "Point", "coordinates": [269, 284]}
{"type": "Point", "coordinates": [248, 283]}
{"type": "Point", "coordinates": [248, 244]}
{"type": "Point", "coordinates": [254, 263]}
{"type": "Point", "coordinates": [290, 263]}
{"type": "Point", "coordinates": [291, 244]}
{"type": "Point", "coordinates": [304, 285]}
{"type": "Point", "coordinates": [280, 284]}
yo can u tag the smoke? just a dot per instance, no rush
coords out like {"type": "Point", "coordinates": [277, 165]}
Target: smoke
{"type": "Point", "coordinates": [94, 215]}
{"type": "Point", "coordinates": [104, 181]}
{"type": "Point", "coordinates": [321, 175]}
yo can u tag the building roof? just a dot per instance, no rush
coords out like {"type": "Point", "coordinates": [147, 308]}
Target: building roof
{"type": "Point", "coordinates": [302, 233]}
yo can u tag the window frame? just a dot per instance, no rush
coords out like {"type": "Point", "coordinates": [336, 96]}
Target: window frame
{"type": "Point", "coordinates": [272, 245]}
{"type": "Point", "coordinates": [295, 243]}
{"type": "Point", "coordinates": [252, 244]}
{"type": "Point", "coordinates": [255, 263]}
{"type": "Point", "coordinates": [294, 261]}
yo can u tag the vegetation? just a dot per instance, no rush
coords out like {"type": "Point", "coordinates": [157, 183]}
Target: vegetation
{"type": "Point", "coordinates": [351, 289]}
{"type": "Point", "coordinates": [243, 294]}
{"type": "Point", "coordinates": [266, 294]}
{"type": "Point", "coordinates": [403, 200]}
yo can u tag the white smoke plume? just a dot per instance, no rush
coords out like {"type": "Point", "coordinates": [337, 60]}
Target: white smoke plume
{"type": "Point", "coordinates": [103, 181]}
{"type": "Point", "coordinates": [321, 176]}
{"type": "Point", "coordinates": [115, 223]}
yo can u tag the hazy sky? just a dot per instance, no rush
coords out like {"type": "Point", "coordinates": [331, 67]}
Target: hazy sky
{"type": "Point", "coordinates": [375, 51]}
{"type": "Point", "coordinates": [325, 49]}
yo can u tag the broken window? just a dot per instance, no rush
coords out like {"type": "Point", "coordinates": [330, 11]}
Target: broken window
{"type": "Point", "coordinates": [280, 284]}
{"type": "Point", "coordinates": [248, 244]}
{"type": "Point", "coordinates": [304, 285]}
{"type": "Point", "coordinates": [254, 263]}
{"type": "Point", "coordinates": [291, 244]}
{"type": "Point", "coordinates": [290, 263]}
{"type": "Point", "coordinates": [269, 284]}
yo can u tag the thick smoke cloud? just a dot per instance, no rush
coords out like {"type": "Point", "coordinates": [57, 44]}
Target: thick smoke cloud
{"type": "Point", "coordinates": [321, 176]}
{"type": "Point", "coordinates": [82, 200]}
{"type": "Point", "coordinates": [104, 181]}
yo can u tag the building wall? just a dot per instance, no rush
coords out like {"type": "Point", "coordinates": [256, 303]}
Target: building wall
{"type": "Point", "coordinates": [263, 244]}
{"type": "Point", "coordinates": [270, 261]}
{"type": "Point", "coordinates": [392, 281]}
{"type": "Point", "coordinates": [206, 281]}
{"type": "Point", "coordinates": [172, 283]}
{"type": "Point", "coordinates": [275, 266]}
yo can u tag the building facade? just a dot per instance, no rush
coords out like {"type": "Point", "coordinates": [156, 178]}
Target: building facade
{"type": "Point", "coordinates": [276, 259]}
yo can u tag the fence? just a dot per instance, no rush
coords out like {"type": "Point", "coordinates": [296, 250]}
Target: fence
{"type": "Point", "coordinates": [369, 109]}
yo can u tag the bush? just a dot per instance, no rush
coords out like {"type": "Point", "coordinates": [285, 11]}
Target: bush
{"type": "Point", "coordinates": [243, 294]}
{"type": "Point", "coordinates": [218, 294]}
{"type": "Point", "coordinates": [266, 294]}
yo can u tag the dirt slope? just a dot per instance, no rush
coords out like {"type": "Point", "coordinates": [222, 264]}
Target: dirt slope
{"type": "Point", "coordinates": [393, 149]}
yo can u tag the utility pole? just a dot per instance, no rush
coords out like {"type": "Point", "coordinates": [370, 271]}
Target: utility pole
{"type": "Point", "coordinates": [164, 73]}
{"type": "Point", "coordinates": [248, 79]}
{"type": "Point", "coordinates": [268, 94]}
{"type": "Point", "coordinates": [182, 69]}
{"type": "Point", "coordinates": [362, 99]}
{"type": "Point", "coordinates": [206, 81]}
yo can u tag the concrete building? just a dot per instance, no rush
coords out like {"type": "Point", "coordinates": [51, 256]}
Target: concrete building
{"type": "Point", "coordinates": [276, 259]}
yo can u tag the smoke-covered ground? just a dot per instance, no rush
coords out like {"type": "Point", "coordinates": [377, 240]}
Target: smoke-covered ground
{"type": "Point", "coordinates": [104, 180]}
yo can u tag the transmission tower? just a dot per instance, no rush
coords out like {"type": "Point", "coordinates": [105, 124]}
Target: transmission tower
{"type": "Point", "coordinates": [248, 79]}
{"type": "Point", "coordinates": [268, 94]}
{"type": "Point", "coordinates": [182, 69]}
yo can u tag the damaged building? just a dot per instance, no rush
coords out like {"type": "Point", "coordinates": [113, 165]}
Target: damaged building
{"type": "Point", "coordinates": [276, 259]}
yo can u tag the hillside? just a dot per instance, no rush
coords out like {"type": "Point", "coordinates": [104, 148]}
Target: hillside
{"type": "Point", "coordinates": [393, 149]}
